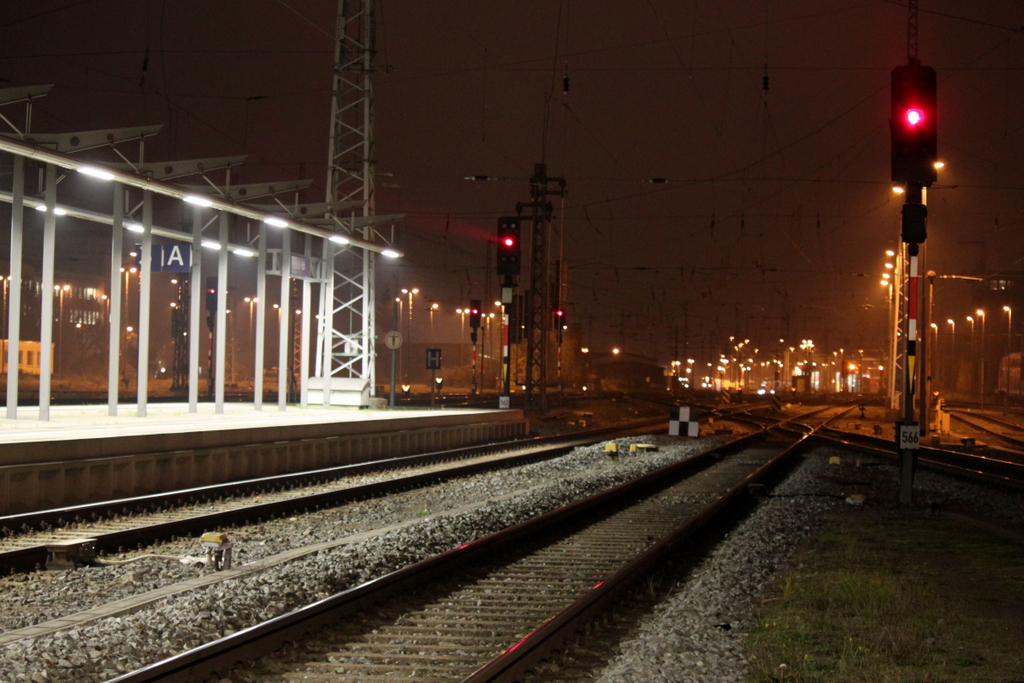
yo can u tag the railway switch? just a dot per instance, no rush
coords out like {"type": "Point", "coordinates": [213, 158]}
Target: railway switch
{"type": "Point", "coordinates": [218, 550]}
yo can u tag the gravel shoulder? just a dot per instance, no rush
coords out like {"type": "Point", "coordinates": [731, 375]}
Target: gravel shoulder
{"type": "Point", "coordinates": [702, 631]}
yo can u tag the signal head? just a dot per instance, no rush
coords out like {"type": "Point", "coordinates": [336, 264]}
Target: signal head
{"type": "Point", "coordinates": [509, 248]}
{"type": "Point", "coordinates": [474, 314]}
{"type": "Point", "coordinates": [913, 125]}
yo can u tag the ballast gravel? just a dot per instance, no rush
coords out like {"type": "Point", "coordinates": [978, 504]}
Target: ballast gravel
{"type": "Point", "coordinates": [109, 647]}
{"type": "Point", "coordinates": [696, 636]}
{"type": "Point", "coordinates": [29, 599]}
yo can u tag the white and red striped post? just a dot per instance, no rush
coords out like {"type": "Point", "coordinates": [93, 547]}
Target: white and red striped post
{"type": "Point", "coordinates": [908, 432]}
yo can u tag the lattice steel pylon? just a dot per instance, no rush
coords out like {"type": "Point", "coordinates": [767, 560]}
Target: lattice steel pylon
{"type": "Point", "coordinates": [538, 299]}
{"type": "Point", "coordinates": [345, 343]}
{"type": "Point", "coordinates": [912, 32]}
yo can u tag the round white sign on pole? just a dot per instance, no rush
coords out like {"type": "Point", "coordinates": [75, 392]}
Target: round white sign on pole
{"type": "Point", "coordinates": [393, 339]}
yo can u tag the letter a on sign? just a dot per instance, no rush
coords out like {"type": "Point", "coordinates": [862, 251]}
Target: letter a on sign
{"type": "Point", "coordinates": [174, 257]}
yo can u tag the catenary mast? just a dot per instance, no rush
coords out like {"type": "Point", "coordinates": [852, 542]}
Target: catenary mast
{"type": "Point", "coordinates": [345, 344]}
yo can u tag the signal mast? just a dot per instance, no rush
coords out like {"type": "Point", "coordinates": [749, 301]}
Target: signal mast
{"type": "Point", "coordinates": [913, 124]}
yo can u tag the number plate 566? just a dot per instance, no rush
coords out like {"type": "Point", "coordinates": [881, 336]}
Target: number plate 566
{"type": "Point", "coordinates": [910, 437]}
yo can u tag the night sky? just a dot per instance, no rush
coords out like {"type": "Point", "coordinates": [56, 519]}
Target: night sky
{"type": "Point", "coordinates": [777, 207]}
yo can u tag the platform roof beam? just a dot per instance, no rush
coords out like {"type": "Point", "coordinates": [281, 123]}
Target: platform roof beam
{"type": "Point", "coordinates": [30, 151]}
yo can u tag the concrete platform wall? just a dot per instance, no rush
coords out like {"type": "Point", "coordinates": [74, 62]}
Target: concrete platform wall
{"type": "Point", "coordinates": [165, 462]}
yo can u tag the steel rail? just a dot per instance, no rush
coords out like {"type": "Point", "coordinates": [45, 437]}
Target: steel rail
{"type": "Point", "coordinates": [996, 420]}
{"type": "Point", "coordinates": [221, 655]}
{"type": "Point", "coordinates": [536, 449]}
{"type": "Point", "coordinates": [1013, 408]}
{"type": "Point", "coordinates": [976, 467]}
{"type": "Point", "coordinates": [792, 424]}
{"type": "Point", "coordinates": [963, 417]}
{"type": "Point", "coordinates": [515, 663]}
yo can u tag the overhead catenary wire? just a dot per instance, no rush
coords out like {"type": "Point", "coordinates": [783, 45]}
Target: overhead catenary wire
{"type": "Point", "coordinates": [44, 13]}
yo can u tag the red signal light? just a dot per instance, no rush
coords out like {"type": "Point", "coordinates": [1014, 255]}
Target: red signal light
{"type": "Point", "coordinates": [508, 246]}
{"type": "Point", "coordinates": [559, 313]}
{"type": "Point", "coordinates": [913, 125]}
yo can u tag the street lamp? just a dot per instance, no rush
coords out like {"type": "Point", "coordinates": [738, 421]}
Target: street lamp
{"type": "Point", "coordinates": [836, 373]}
{"type": "Point", "coordinates": [252, 300]}
{"type": "Point", "coordinates": [970, 389]}
{"type": "Point", "coordinates": [3, 317]}
{"type": "Point", "coordinates": [931, 369]}
{"type": "Point", "coordinates": [952, 354]}
{"type": "Point", "coordinates": [1009, 341]}
{"type": "Point", "coordinates": [409, 324]}
{"type": "Point", "coordinates": [981, 314]}
{"type": "Point", "coordinates": [462, 334]}
{"type": "Point", "coordinates": [408, 336]}
{"type": "Point", "coordinates": [128, 272]}
{"type": "Point", "coordinates": [61, 292]}
{"type": "Point", "coordinates": [807, 345]}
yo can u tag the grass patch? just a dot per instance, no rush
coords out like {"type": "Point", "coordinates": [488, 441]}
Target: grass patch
{"type": "Point", "coordinates": [886, 597]}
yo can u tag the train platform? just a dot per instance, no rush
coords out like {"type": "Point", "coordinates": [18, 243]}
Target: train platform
{"type": "Point", "coordinates": [82, 454]}
{"type": "Point", "coordinates": [93, 421]}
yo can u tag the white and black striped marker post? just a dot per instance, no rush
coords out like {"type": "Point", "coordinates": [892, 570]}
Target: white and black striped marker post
{"type": "Point", "coordinates": [682, 421]}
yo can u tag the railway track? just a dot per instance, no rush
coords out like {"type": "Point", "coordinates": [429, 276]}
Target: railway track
{"type": "Point", "coordinates": [490, 609]}
{"type": "Point", "coordinates": [986, 469]}
{"type": "Point", "coordinates": [126, 523]}
{"type": "Point", "coordinates": [1007, 432]}
{"type": "Point", "coordinates": [804, 422]}
{"type": "Point", "coordinates": [444, 614]}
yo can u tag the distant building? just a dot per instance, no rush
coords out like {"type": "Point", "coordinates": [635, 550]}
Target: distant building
{"type": "Point", "coordinates": [28, 357]}
{"type": "Point", "coordinates": [626, 372]}
{"type": "Point", "coordinates": [998, 293]}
